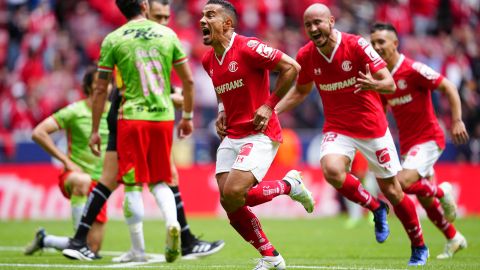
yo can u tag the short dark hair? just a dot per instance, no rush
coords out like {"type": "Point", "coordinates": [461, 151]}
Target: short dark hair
{"type": "Point", "coordinates": [379, 26]}
{"type": "Point", "coordinates": [129, 8]}
{"type": "Point", "coordinates": [88, 78]}
{"type": "Point", "coordinates": [227, 6]}
{"type": "Point", "coordinates": [163, 2]}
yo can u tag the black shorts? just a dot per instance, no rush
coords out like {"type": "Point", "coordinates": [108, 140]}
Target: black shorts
{"type": "Point", "coordinates": [112, 120]}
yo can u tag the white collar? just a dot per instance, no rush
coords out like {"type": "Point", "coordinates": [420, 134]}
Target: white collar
{"type": "Point", "coordinates": [339, 40]}
{"type": "Point", "coordinates": [220, 62]}
{"type": "Point", "coordinates": [398, 64]}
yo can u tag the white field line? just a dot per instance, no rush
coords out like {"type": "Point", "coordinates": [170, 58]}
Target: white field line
{"type": "Point", "coordinates": [157, 258]}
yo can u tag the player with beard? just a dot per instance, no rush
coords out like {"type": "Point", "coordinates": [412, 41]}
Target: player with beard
{"type": "Point", "coordinates": [421, 138]}
{"type": "Point", "coordinates": [250, 131]}
{"type": "Point", "coordinates": [349, 76]}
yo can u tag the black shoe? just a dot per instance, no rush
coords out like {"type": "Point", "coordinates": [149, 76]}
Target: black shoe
{"type": "Point", "coordinates": [199, 248]}
{"type": "Point", "coordinates": [78, 250]}
{"type": "Point", "coordinates": [98, 256]}
{"type": "Point", "coordinates": [37, 243]}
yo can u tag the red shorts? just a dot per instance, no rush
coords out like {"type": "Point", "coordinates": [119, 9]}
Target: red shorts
{"type": "Point", "coordinates": [144, 151]}
{"type": "Point", "coordinates": [102, 215]}
{"type": "Point", "coordinates": [359, 165]}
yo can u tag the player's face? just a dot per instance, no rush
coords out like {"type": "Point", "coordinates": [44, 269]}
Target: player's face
{"type": "Point", "coordinates": [385, 43]}
{"type": "Point", "coordinates": [159, 13]}
{"type": "Point", "coordinates": [318, 27]}
{"type": "Point", "coordinates": [211, 23]}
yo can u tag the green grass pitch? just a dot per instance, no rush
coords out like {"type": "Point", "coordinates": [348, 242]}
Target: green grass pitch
{"type": "Point", "coordinates": [304, 243]}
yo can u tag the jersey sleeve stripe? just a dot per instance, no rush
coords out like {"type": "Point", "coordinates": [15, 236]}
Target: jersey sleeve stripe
{"type": "Point", "coordinates": [105, 69]}
{"type": "Point", "coordinates": [180, 61]}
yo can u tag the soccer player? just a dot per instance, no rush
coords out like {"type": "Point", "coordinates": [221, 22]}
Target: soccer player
{"type": "Point", "coordinates": [250, 131]}
{"type": "Point", "coordinates": [82, 169]}
{"type": "Point", "coordinates": [144, 53]}
{"type": "Point", "coordinates": [421, 138]}
{"type": "Point", "coordinates": [349, 76]}
{"type": "Point", "coordinates": [192, 247]}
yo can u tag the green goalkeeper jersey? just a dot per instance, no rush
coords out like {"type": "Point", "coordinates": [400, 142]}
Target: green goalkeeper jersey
{"type": "Point", "coordinates": [144, 52]}
{"type": "Point", "coordinates": [76, 120]}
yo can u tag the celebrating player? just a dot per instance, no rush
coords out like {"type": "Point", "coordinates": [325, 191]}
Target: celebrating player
{"type": "Point", "coordinates": [82, 169]}
{"type": "Point", "coordinates": [421, 138]}
{"type": "Point", "coordinates": [192, 247]}
{"type": "Point", "coordinates": [239, 68]}
{"type": "Point", "coordinates": [349, 74]}
{"type": "Point", "coordinates": [144, 52]}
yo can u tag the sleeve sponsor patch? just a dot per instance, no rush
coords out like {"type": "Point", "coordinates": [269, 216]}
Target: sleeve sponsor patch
{"type": "Point", "coordinates": [426, 71]}
{"type": "Point", "coordinates": [373, 55]}
{"type": "Point", "coordinates": [266, 51]}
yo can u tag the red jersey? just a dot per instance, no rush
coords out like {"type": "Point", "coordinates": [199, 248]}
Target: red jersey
{"type": "Point", "coordinates": [357, 115]}
{"type": "Point", "coordinates": [241, 78]}
{"type": "Point", "coordinates": [412, 105]}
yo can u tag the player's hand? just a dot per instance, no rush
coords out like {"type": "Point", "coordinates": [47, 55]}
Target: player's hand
{"type": "Point", "coordinates": [95, 144]}
{"type": "Point", "coordinates": [261, 117]}
{"type": "Point", "coordinates": [459, 132]}
{"type": "Point", "coordinates": [221, 125]}
{"type": "Point", "coordinates": [185, 128]}
{"type": "Point", "coordinates": [70, 166]}
{"type": "Point", "coordinates": [365, 81]}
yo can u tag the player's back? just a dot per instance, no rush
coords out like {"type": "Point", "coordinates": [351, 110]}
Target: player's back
{"type": "Point", "coordinates": [76, 120]}
{"type": "Point", "coordinates": [144, 53]}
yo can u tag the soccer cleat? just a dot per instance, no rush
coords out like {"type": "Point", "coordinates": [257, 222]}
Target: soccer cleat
{"type": "Point", "coordinates": [201, 248]}
{"type": "Point", "coordinates": [270, 262]}
{"type": "Point", "coordinates": [131, 256]}
{"type": "Point", "coordinates": [381, 223]}
{"type": "Point", "coordinates": [452, 246]}
{"type": "Point", "coordinates": [419, 256]}
{"type": "Point", "coordinates": [448, 202]}
{"type": "Point", "coordinates": [78, 250]}
{"type": "Point", "coordinates": [172, 246]}
{"type": "Point", "coordinates": [37, 243]}
{"type": "Point", "coordinates": [299, 191]}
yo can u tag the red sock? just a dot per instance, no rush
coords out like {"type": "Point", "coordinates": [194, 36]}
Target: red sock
{"type": "Point", "coordinates": [435, 214]}
{"type": "Point", "coordinates": [424, 188]}
{"type": "Point", "coordinates": [247, 225]}
{"type": "Point", "coordinates": [354, 191]}
{"type": "Point", "coordinates": [405, 211]}
{"type": "Point", "coordinates": [265, 191]}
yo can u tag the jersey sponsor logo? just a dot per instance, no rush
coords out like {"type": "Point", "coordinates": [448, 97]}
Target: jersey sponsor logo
{"type": "Point", "coordinates": [143, 33]}
{"type": "Point", "coordinates": [252, 43]}
{"type": "Point", "coordinates": [347, 65]}
{"type": "Point", "coordinates": [317, 71]}
{"type": "Point", "coordinates": [400, 100]}
{"type": "Point", "coordinates": [373, 55]}
{"type": "Point", "coordinates": [382, 156]}
{"type": "Point", "coordinates": [233, 66]}
{"type": "Point", "coordinates": [150, 109]}
{"type": "Point", "coordinates": [265, 51]}
{"type": "Point", "coordinates": [338, 85]}
{"type": "Point", "coordinates": [426, 71]}
{"type": "Point", "coordinates": [229, 86]}
{"type": "Point", "coordinates": [402, 84]}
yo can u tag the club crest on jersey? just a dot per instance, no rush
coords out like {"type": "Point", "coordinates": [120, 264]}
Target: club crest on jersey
{"type": "Point", "coordinates": [347, 66]}
{"type": "Point", "coordinates": [382, 156]}
{"type": "Point", "coordinates": [317, 71]}
{"type": "Point", "coordinates": [402, 84]}
{"type": "Point", "coordinates": [233, 66]}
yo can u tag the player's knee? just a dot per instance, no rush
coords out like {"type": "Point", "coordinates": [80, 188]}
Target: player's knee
{"type": "Point", "coordinates": [234, 196]}
{"type": "Point", "coordinates": [333, 173]}
{"type": "Point", "coordinates": [81, 185]}
{"type": "Point", "coordinates": [393, 192]}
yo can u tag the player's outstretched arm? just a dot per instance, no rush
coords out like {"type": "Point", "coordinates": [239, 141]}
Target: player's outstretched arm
{"type": "Point", "coordinates": [288, 70]}
{"type": "Point", "coordinates": [99, 97]}
{"type": "Point", "coordinates": [380, 81]}
{"type": "Point", "coordinates": [295, 96]}
{"type": "Point", "coordinates": [459, 132]}
{"type": "Point", "coordinates": [41, 135]}
{"type": "Point", "coordinates": [185, 127]}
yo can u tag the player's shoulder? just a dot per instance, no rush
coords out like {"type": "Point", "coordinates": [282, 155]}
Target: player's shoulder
{"type": "Point", "coordinates": [353, 40]}
{"type": "Point", "coordinates": [306, 49]}
{"type": "Point", "coordinates": [424, 70]}
{"type": "Point", "coordinates": [244, 42]}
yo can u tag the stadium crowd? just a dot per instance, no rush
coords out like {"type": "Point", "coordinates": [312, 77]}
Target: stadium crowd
{"type": "Point", "coordinates": [45, 46]}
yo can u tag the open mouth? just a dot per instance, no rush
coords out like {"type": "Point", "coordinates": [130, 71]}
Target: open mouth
{"type": "Point", "coordinates": [317, 36]}
{"type": "Point", "coordinates": [205, 32]}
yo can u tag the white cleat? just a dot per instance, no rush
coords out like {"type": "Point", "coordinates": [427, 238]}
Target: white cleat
{"type": "Point", "coordinates": [448, 202]}
{"type": "Point", "coordinates": [271, 262]}
{"type": "Point", "coordinates": [173, 244]}
{"type": "Point", "coordinates": [299, 191]}
{"type": "Point", "coordinates": [131, 256]}
{"type": "Point", "coordinates": [452, 246]}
